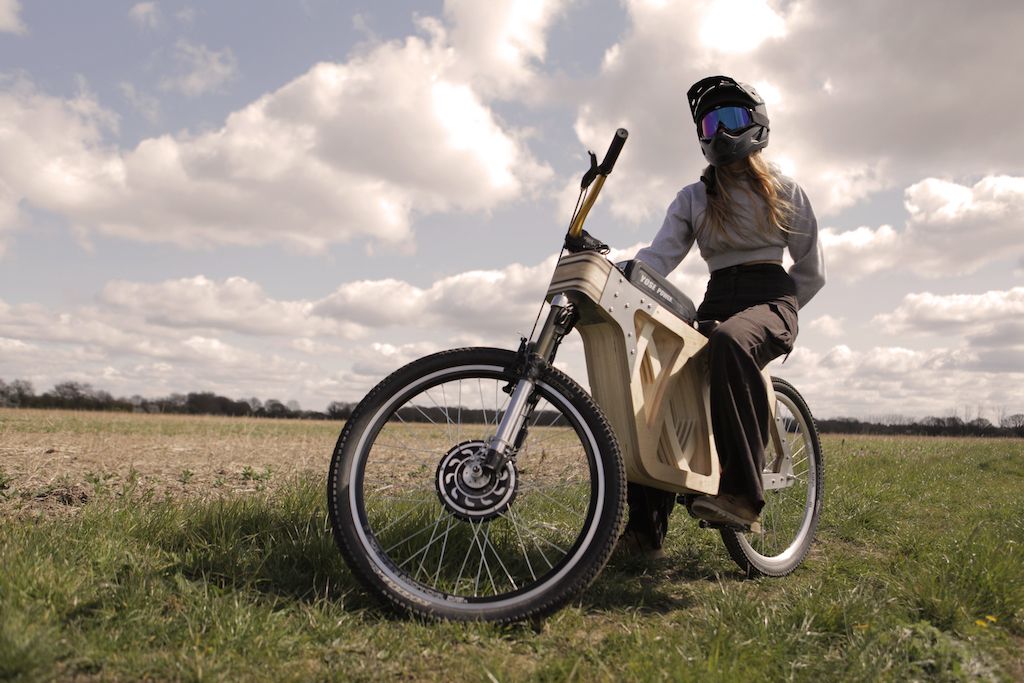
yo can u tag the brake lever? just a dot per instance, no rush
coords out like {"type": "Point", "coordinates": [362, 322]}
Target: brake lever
{"type": "Point", "coordinates": [591, 174]}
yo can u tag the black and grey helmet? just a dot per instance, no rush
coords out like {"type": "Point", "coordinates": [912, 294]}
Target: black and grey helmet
{"type": "Point", "coordinates": [738, 122]}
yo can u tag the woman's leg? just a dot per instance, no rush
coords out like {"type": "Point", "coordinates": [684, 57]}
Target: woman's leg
{"type": "Point", "coordinates": [649, 510]}
{"type": "Point", "coordinates": [738, 349]}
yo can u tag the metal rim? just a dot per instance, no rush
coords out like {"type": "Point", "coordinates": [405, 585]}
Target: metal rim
{"type": "Point", "coordinates": [772, 547]}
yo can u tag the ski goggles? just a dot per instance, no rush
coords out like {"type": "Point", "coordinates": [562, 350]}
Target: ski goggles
{"type": "Point", "coordinates": [730, 118]}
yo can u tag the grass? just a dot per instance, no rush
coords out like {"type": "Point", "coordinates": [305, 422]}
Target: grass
{"type": "Point", "coordinates": [918, 575]}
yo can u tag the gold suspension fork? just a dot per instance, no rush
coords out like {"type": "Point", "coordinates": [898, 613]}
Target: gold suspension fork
{"type": "Point", "coordinates": [601, 171]}
{"type": "Point", "coordinates": [577, 224]}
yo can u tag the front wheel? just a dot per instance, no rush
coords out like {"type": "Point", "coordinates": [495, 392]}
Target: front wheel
{"type": "Point", "coordinates": [790, 515]}
{"type": "Point", "coordinates": [422, 526]}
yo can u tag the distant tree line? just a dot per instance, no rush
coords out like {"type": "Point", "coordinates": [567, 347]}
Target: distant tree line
{"type": "Point", "coordinates": [82, 396]}
{"type": "Point", "coordinates": [1010, 425]}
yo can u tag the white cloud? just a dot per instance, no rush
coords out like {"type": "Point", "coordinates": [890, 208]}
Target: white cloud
{"type": "Point", "coordinates": [738, 26]}
{"type": "Point", "coordinates": [145, 14]}
{"type": "Point", "coordinates": [852, 254]}
{"type": "Point", "coordinates": [857, 117]}
{"type": "Point", "coordinates": [347, 150]}
{"type": "Point", "coordinates": [828, 325]}
{"type": "Point", "coordinates": [377, 360]}
{"type": "Point", "coordinates": [899, 381]}
{"type": "Point", "coordinates": [991, 324]}
{"type": "Point", "coordinates": [956, 229]}
{"type": "Point", "coordinates": [234, 305]}
{"type": "Point", "coordinates": [14, 346]}
{"type": "Point", "coordinates": [147, 105]}
{"type": "Point", "coordinates": [980, 360]}
{"type": "Point", "coordinates": [960, 313]}
{"type": "Point", "coordinates": [8, 212]}
{"type": "Point", "coordinates": [230, 336]}
{"type": "Point", "coordinates": [466, 302]}
{"type": "Point", "coordinates": [501, 42]}
{"type": "Point", "coordinates": [10, 17]}
{"type": "Point", "coordinates": [200, 69]}
{"type": "Point", "coordinates": [952, 229]}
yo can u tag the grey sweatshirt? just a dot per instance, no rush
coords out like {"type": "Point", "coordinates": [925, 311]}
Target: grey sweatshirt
{"type": "Point", "coordinates": [742, 243]}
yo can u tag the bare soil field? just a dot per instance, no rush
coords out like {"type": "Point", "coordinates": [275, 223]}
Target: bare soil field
{"type": "Point", "coordinates": [55, 461]}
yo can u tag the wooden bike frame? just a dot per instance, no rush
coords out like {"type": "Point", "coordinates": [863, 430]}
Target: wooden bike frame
{"type": "Point", "coordinates": [648, 371]}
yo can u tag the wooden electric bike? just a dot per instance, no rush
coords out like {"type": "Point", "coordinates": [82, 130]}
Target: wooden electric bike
{"type": "Point", "coordinates": [485, 484]}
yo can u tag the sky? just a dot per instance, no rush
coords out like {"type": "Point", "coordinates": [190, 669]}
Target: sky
{"type": "Point", "coordinates": [291, 200]}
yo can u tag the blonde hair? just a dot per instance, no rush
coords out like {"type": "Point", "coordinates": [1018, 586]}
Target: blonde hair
{"type": "Point", "coordinates": [764, 181]}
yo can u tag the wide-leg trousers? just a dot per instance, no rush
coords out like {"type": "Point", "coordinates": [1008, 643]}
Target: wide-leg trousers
{"type": "Point", "coordinates": [757, 308]}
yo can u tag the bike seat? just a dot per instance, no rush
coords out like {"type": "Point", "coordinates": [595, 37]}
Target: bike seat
{"type": "Point", "coordinates": [665, 293]}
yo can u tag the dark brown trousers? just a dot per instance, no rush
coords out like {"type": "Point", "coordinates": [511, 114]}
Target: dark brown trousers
{"type": "Point", "coordinates": [757, 307]}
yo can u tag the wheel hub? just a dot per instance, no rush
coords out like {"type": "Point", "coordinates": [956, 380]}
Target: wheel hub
{"type": "Point", "coordinates": [468, 490]}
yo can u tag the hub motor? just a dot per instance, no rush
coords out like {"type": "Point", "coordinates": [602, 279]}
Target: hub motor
{"type": "Point", "coordinates": [468, 490]}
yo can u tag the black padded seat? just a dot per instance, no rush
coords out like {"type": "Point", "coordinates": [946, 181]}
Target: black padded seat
{"type": "Point", "coordinates": [660, 289]}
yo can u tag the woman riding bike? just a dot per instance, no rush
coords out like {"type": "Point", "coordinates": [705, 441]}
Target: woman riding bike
{"type": "Point", "coordinates": [742, 214]}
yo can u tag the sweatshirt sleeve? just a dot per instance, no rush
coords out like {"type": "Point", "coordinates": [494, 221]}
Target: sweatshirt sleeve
{"type": "Point", "coordinates": [808, 269]}
{"type": "Point", "coordinates": [674, 239]}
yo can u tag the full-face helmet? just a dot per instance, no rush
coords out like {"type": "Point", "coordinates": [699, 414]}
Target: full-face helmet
{"type": "Point", "coordinates": [731, 119]}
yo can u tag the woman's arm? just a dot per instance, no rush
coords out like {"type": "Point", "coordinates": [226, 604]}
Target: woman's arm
{"type": "Point", "coordinates": [808, 269]}
{"type": "Point", "coordinates": [673, 241]}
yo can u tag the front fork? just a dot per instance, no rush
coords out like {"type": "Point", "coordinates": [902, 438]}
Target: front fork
{"type": "Point", "coordinates": [534, 358]}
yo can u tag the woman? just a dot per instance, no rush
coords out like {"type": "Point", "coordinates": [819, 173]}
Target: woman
{"type": "Point", "coordinates": [742, 214]}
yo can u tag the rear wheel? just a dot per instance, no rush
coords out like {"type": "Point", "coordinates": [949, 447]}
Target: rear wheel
{"type": "Point", "coordinates": [790, 515]}
{"type": "Point", "coordinates": [425, 528]}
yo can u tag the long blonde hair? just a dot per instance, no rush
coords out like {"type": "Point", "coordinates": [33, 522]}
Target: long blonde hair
{"type": "Point", "coordinates": [763, 181]}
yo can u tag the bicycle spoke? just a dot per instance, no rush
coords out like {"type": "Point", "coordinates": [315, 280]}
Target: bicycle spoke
{"type": "Point", "coordinates": [483, 564]}
{"type": "Point", "coordinates": [444, 546]}
{"type": "Point", "coordinates": [409, 512]}
{"type": "Point", "coordinates": [444, 411]}
{"type": "Point", "coordinates": [427, 547]}
{"type": "Point", "coordinates": [540, 538]}
{"type": "Point", "coordinates": [407, 539]}
{"type": "Point", "coordinates": [523, 489]}
{"type": "Point", "coordinates": [522, 546]}
{"type": "Point", "coordinates": [535, 544]}
{"type": "Point", "coordinates": [429, 419]}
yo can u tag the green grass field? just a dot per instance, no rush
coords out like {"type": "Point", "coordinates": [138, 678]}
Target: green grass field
{"type": "Point", "coordinates": [149, 573]}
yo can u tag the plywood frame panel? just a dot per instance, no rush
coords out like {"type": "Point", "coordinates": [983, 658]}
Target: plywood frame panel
{"type": "Point", "coordinates": [647, 372]}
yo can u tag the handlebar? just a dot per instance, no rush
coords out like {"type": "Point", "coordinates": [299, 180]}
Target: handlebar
{"type": "Point", "coordinates": [600, 172]}
{"type": "Point", "coordinates": [608, 163]}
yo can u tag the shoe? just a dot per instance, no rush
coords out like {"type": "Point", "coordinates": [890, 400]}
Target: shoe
{"type": "Point", "coordinates": [633, 544]}
{"type": "Point", "coordinates": [726, 510]}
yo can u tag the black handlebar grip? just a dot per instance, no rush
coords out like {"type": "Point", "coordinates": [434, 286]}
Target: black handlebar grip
{"type": "Point", "coordinates": [608, 163]}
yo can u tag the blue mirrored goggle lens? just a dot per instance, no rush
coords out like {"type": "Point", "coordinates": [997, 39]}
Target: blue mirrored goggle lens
{"type": "Point", "coordinates": [731, 118]}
